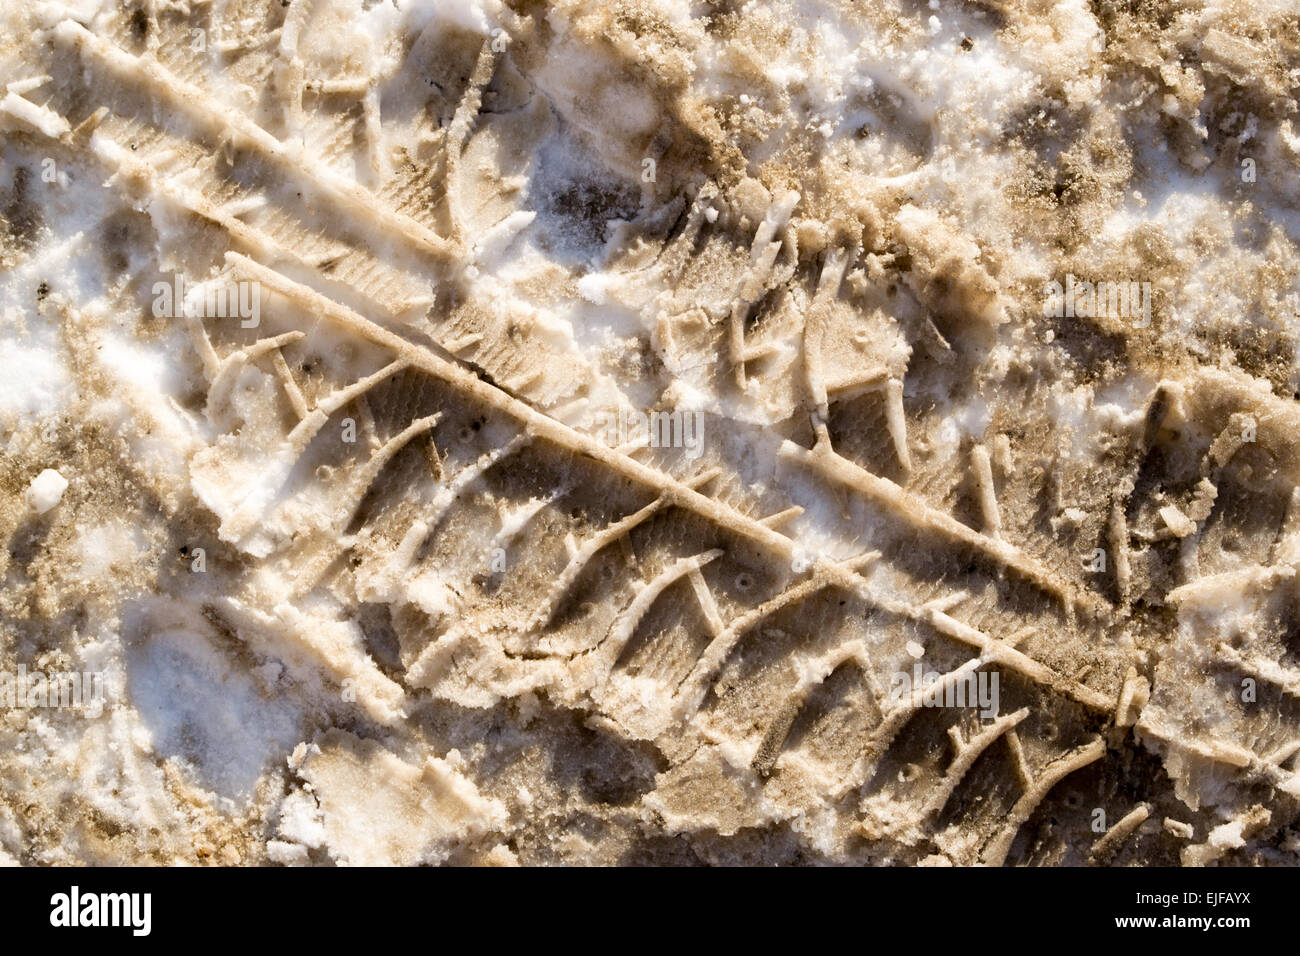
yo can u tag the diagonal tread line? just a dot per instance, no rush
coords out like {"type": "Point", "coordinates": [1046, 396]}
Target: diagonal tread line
{"type": "Point", "coordinates": [675, 491]}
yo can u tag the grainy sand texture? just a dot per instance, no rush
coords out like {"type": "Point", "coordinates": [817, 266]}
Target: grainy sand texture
{"type": "Point", "coordinates": [647, 431]}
